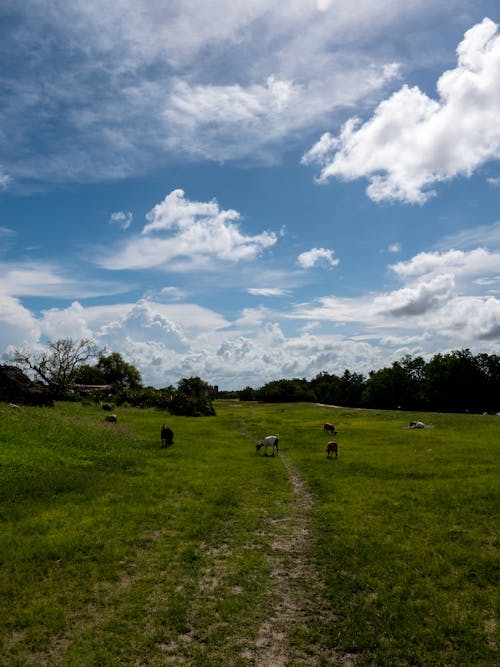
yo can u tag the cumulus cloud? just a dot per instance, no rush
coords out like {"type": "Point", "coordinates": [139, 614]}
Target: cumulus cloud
{"type": "Point", "coordinates": [144, 323]}
{"type": "Point", "coordinates": [181, 234]}
{"type": "Point", "coordinates": [71, 322]}
{"type": "Point", "coordinates": [170, 341]}
{"type": "Point", "coordinates": [419, 299]}
{"type": "Point", "coordinates": [468, 321]}
{"type": "Point", "coordinates": [442, 304]}
{"type": "Point", "coordinates": [315, 256]}
{"type": "Point", "coordinates": [121, 218]}
{"type": "Point", "coordinates": [412, 141]}
{"type": "Point", "coordinates": [18, 327]}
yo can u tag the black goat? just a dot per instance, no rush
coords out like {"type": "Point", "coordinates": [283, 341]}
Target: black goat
{"type": "Point", "coordinates": [167, 436]}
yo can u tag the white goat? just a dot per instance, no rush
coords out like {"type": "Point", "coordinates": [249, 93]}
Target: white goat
{"type": "Point", "coordinates": [269, 441]}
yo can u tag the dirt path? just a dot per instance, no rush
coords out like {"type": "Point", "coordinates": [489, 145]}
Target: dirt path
{"type": "Point", "coordinates": [296, 587]}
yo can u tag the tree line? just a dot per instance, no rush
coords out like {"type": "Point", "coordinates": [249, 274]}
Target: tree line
{"type": "Point", "coordinates": [453, 382]}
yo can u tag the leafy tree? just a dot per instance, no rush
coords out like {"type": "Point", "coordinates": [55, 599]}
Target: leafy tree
{"type": "Point", "coordinates": [57, 366]}
{"type": "Point", "coordinates": [193, 398]}
{"type": "Point", "coordinates": [110, 369]}
{"type": "Point", "coordinates": [351, 389]}
{"type": "Point", "coordinates": [327, 388]}
{"type": "Point", "coordinates": [286, 391]}
{"type": "Point", "coordinates": [454, 382]}
{"type": "Point", "coordinates": [489, 391]}
{"type": "Point", "coordinates": [381, 390]}
{"type": "Point", "coordinates": [89, 374]}
{"type": "Point", "coordinates": [247, 394]}
{"type": "Point", "coordinates": [115, 370]}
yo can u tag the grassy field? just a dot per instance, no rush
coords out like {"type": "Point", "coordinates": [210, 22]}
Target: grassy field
{"type": "Point", "coordinates": [114, 551]}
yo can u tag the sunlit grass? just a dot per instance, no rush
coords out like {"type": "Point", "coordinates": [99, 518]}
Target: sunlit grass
{"type": "Point", "coordinates": [408, 536]}
{"type": "Point", "coordinates": [114, 551]}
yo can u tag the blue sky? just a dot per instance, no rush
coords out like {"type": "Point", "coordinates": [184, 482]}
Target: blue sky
{"type": "Point", "coordinates": [250, 191]}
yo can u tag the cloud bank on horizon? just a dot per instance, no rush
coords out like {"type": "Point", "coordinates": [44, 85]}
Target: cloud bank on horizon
{"type": "Point", "coordinates": [246, 264]}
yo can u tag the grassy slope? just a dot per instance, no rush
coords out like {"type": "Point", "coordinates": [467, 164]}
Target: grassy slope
{"type": "Point", "coordinates": [115, 552]}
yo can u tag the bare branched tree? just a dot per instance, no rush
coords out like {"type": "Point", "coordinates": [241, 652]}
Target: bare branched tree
{"type": "Point", "coordinates": [56, 366]}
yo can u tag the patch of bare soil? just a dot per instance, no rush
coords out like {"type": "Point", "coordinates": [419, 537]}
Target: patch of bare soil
{"type": "Point", "coordinates": [296, 590]}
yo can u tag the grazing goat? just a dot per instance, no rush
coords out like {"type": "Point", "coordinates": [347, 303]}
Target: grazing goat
{"type": "Point", "coordinates": [269, 441]}
{"type": "Point", "coordinates": [111, 418]}
{"type": "Point", "coordinates": [331, 448]}
{"type": "Point", "coordinates": [329, 427]}
{"type": "Point", "coordinates": [167, 436]}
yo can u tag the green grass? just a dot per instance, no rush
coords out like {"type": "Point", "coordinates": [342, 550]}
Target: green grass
{"type": "Point", "coordinates": [408, 523]}
{"type": "Point", "coordinates": [114, 551]}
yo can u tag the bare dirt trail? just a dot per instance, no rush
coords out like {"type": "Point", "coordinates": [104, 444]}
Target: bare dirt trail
{"type": "Point", "coordinates": [296, 588]}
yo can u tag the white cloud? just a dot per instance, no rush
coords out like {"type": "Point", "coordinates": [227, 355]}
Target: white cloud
{"type": "Point", "coordinates": [482, 236]}
{"type": "Point", "coordinates": [475, 262]}
{"type": "Point", "coordinates": [191, 318]}
{"type": "Point", "coordinates": [412, 141]}
{"type": "Point", "coordinates": [321, 256]}
{"type": "Point", "coordinates": [469, 321]}
{"type": "Point", "coordinates": [204, 105]}
{"type": "Point", "coordinates": [251, 318]}
{"type": "Point", "coordinates": [335, 309]}
{"type": "Point", "coordinates": [44, 279]}
{"type": "Point", "coordinates": [18, 326]}
{"type": "Point", "coordinates": [144, 323]}
{"type": "Point", "coordinates": [218, 80]}
{"type": "Point", "coordinates": [170, 341]}
{"type": "Point", "coordinates": [121, 218]}
{"type": "Point", "coordinates": [6, 231]}
{"type": "Point", "coordinates": [394, 341]}
{"type": "Point", "coordinates": [70, 322]}
{"type": "Point", "coordinates": [181, 235]}
{"type": "Point", "coordinates": [494, 280]}
{"type": "Point", "coordinates": [5, 179]}
{"type": "Point", "coordinates": [394, 248]}
{"type": "Point", "coordinates": [224, 122]}
{"type": "Point", "coordinates": [33, 279]}
{"type": "Point", "coordinates": [172, 292]}
{"type": "Point", "coordinates": [268, 291]}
